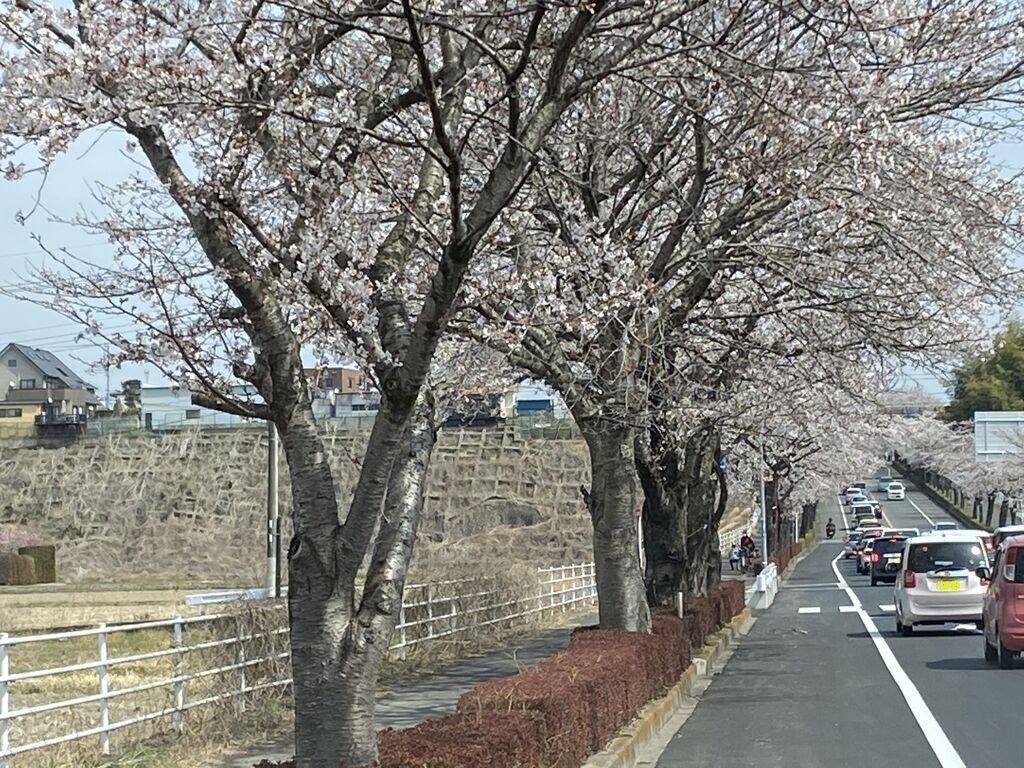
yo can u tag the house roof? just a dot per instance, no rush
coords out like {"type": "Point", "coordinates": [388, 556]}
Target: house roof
{"type": "Point", "coordinates": [51, 366]}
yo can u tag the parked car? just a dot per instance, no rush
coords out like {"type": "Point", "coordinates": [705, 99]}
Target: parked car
{"type": "Point", "coordinates": [896, 491]}
{"type": "Point", "coordinates": [938, 582]}
{"type": "Point", "coordinates": [850, 546]}
{"type": "Point", "coordinates": [1004, 604]}
{"type": "Point", "coordinates": [885, 559]}
{"type": "Point", "coordinates": [1002, 534]}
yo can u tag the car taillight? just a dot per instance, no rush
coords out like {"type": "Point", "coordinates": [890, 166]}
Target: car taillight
{"type": "Point", "coordinates": [909, 579]}
{"type": "Point", "coordinates": [874, 557]}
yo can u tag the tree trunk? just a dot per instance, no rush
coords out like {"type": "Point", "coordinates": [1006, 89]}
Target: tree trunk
{"type": "Point", "coordinates": [685, 495]}
{"type": "Point", "coordinates": [976, 508]}
{"type": "Point", "coordinates": [613, 505]}
{"type": "Point", "coordinates": [338, 647]}
{"type": "Point", "coordinates": [1004, 511]}
{"type": "Point", "coordinates": [664, 519]}
{"type": "Point", "coordinates": [707, 498]}
{"type": "Point", "coordinates": [990, 509]}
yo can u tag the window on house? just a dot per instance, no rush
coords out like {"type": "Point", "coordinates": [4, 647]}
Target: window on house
{"type": "Point", "coordinates": [192, 413]}
{"type": "Point", "coordinates": [12, 363]}
{"type": "Point", "coordinates": [10, 413]}
{"type": "Point", "coordinates": [27, 384]}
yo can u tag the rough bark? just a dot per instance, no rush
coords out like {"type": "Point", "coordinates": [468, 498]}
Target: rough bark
{"type": "Point", "coordinates": [684, 499]}
{"type": "Point", "coordinates": [1004, 511]}
{"type": "Point", "coordinates": [338, 647]}
{"type": "Point", "coordinates": [990, 509]}
{"type": "Point", "coordinates": [664, 520]}
{"type": "Point", "coordinates": [612, 503]}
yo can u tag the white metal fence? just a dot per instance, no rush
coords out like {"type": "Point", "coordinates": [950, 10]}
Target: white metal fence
{"type": "Point", "coordinates": [166, 668]}
{"type": "Point", "coordinates": [728, 539]}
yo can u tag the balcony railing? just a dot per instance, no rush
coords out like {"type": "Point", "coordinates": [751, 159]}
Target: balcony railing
{"type": "Point", "coordinates": [61, 418]}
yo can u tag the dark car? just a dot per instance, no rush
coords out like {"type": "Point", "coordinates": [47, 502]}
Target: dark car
{"type": "Point", "coordinates": [886, 557]}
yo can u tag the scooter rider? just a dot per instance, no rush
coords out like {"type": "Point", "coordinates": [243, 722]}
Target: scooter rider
{"type": "Point", "coordinates": [830, 528]}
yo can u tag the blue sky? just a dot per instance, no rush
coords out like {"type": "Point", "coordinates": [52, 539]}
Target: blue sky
{"type": "Point", "coordinates": [68, 190]}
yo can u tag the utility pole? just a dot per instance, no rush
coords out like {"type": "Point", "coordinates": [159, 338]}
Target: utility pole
{"type": "Point", "coordinates": [273, 520]}
{"type": "Point", "coordinates": [764, 508]}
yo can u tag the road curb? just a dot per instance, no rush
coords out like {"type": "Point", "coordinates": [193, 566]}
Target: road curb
{"type": "Point", "coordinates": [794, 562]}
{"type": "Point", "coordinates": [624, 750]}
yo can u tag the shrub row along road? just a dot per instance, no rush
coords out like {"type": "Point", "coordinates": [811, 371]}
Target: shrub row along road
{"type": "Point", "coordinates": [824, 680]}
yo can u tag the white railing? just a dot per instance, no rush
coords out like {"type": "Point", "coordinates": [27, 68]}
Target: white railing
{"type": "Point", "coordinates": [189, 663]}
{"type": "Point", "coordinates": [729, 539]}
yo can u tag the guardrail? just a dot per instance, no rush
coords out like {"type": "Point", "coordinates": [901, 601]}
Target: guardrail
{"type": "Point", "coordinates": [766, 586]}
{"type": "Point", "coordinates": [189, 664]}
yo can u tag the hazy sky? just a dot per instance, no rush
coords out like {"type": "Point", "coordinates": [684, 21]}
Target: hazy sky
{"type": "Point", "coordinates": [67, 190]}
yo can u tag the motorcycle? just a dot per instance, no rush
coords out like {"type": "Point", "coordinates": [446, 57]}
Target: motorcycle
{"type": "Point", "coordinates": [830, 530]}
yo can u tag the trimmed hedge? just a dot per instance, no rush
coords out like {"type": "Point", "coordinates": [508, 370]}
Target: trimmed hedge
{"type": "Point", "coordinates": [783, 556]}
{"type": "Point", "coordinates": [559, 712]}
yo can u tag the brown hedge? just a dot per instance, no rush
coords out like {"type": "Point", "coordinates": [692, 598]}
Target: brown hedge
{"type": "Point", "coordinates": [558, 713]}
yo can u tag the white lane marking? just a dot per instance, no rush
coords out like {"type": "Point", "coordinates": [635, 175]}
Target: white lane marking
{"type": "Point", "coordinates": [887, 608]}
{"type": "Point", "coordinates": [814, 609]}
{"type": "Point", "coordinates": [941, 746]}
{"type": "Point", "coordinates": [847, 608]}
{"type": "Point", "coordinates": [930, 521]}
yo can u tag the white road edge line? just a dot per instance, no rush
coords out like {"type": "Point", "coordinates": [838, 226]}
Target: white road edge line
{"type": "Point", "coordinates": [930, 521]}
{"type": "Point", "coordinates": [814, 609]}
{"type": "Point", "coordinates": [847, 608]}
{"type": "Point", "coordinates": [940, 744]}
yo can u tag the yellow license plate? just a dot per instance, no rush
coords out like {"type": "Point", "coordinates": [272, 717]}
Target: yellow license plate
{"type": "Point", "coordinates": [947, 585]}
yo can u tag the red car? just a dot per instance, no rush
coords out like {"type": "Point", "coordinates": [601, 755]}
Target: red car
{"type": "Point", "coordinates": [1003, 611]}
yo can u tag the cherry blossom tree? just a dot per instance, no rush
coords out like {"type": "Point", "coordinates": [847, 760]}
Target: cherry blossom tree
{"type": "Point", "coordinates": [313, 177]}
{"type": "Point", "coordinates": [768, 186]}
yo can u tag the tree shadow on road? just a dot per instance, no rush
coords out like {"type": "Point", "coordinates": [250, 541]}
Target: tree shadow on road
{"type": "Point", "coordinates": [974, 663]}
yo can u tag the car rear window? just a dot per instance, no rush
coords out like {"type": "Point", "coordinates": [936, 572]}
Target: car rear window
{"type": "Point", "coordinates": [888, 546]}
{"type": "Point", "coordinates": [946, 554]}
{"type": "Point", "coordinates": [1018, 567]}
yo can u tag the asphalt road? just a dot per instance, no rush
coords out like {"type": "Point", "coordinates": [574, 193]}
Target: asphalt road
{"type": "Point", "coordinates": [823, 680]}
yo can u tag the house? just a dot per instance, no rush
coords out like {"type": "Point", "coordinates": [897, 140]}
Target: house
{"type": "Point", "coordinates": [533, 398]}
{"type": "Point", "coordinates": [344, 380]}
{"type": "Point", "coordinates": [42, 396]}
{"type": "Point", "coordinates": [170, 407]}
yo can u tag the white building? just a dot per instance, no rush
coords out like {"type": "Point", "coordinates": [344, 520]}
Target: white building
{"type": "Point", "coordinates": [170, 407]}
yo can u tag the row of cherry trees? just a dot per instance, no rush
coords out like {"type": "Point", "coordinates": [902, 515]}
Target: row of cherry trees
{"type": "Point", "coordinates": [717, 229]}
{"type": "Point", "coordinates": [989, 491]}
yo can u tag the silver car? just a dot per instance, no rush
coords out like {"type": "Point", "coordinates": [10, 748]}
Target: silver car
{"type": "Point", "coordinates": [938, 581]}
{"type": "Point", "coordinates": [850, 547]}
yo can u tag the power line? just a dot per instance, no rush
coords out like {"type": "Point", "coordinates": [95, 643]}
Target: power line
{"type": "Point", "coordinates": [42, 252]}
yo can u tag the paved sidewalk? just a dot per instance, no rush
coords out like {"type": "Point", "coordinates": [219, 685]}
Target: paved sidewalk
{"type": "Point", "coordinates": [420, 698]}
